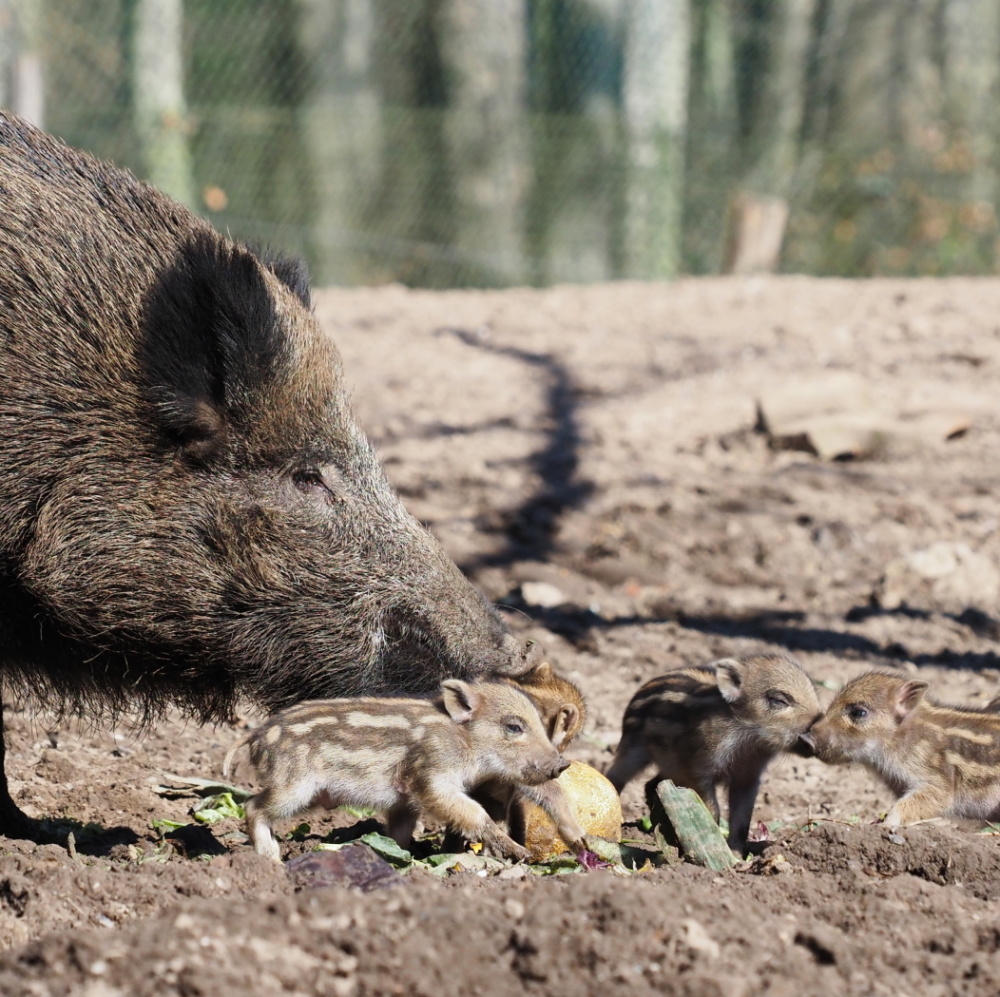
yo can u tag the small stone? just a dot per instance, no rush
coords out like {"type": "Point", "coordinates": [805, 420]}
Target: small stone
{"type": "Point", "coordinates": [344, 986]}
{"type": "Point", "coordinates": [513, 872]}
{"type": "Point", "coordinates": [514, 909]}
{"type": "Point", "coordinates": [353, 865]}
{"type": "Point", "coordinates": [698, 939]}
{"type": "Point", "coordinates": [946, 576]}
{"type": "Point", "coordinates": [542, 594]}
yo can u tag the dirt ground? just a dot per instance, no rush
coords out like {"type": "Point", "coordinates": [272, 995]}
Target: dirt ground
{"type": "Point", "coordinates": [602, 441]}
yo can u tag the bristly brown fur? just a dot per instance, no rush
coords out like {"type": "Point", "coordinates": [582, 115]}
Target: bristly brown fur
{"type": "Point", "coordinates": [937, 760]}
{"type": "Point", "coordinates": [402, 757]}
{"type": "Point", "coordinates": [720, 723]}
{"type": "Point", "coordinates": [189, 511]}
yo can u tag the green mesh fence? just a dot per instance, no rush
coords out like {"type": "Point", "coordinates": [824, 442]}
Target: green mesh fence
{"type": "Point", "coordinates": [497, 142]}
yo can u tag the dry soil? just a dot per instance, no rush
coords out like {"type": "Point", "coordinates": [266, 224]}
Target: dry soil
{"type": "Point", "coordinates": [602, 441]}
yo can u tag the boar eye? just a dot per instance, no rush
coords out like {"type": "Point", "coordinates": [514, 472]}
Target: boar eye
{"type": "Point", "coordinates": [857, 712]}
{"type": "Point", "coordinates": [514, 727]}
{"type": "Point", "coordinates": [777, 700]}
{"type": "Point", "coordinates": [308, 479]}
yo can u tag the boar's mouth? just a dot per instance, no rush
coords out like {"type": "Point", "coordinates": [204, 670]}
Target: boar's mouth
{"type": "Point", "coordinates": [414, 653]}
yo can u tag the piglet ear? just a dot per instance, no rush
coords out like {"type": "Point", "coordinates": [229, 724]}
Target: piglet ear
{"type": "Point", "coordinates": [908, 696]}
{"type": "Point", "coordinates": [729, 676]}
{"type": "Point", "coordinates": [562, 723]}
{"type": "Point", "coordinates": [542, 672]}
{"type": "Point", "coordinates": [460, 700]}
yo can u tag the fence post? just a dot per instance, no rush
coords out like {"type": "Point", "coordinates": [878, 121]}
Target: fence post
{"type": "Point", "coordinates": [158, 95]}
{"type": "Point", "coordinates": [483, 49]}
{"type": "Point", "coordinates": [657, 54]}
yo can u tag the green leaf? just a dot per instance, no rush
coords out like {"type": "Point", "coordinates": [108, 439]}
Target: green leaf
{"type": "Point", "coordinates": [360, 812]}
{"type": "Point", "coordinates": [212, 809]}
{"type": "Point", "coordinates": [387, 848]}
{"type": "Point", "coordinates": [470, 862]}
{"type": "Point", "coordinates": [443, 868]}
{"type": "Point", "coordinates": [606, 851]}
{"type": "Point", "coordinates": [164, 824]}
{"type": "Point", "coordinates": [561, 865]}
{"type": "Point", "coordinates": [442, 858]}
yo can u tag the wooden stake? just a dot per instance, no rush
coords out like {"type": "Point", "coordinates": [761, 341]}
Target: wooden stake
{"type": "Point", "coordinates": [700, 838]}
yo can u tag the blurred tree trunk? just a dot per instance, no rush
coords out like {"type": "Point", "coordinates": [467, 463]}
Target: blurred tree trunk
{"type": "Point", "coordinates": [343, 128]}
{"type": "Point", "coordinates": [411, 207]}
{"type": "Point", "coordinates": [657, 47]}
{"type": "Point", "coordinates": [711, 134]}
{"type": "Point", "coordinates": [573, 218]}
{"type": "Point", "coordinates": [759, 210]}
{"type": "Point", "coordinates": [22, 87]}
{"type": "Point", "coordinates": [483, 50]}
{"type": "Point", "coordinates": [826, 69]}
{"type": "Point", "coordinates": [8, 51]}
{"type": "Point", "coordinates": [158, 95]}
{"type": "Point", "coordinates": [972, 96]}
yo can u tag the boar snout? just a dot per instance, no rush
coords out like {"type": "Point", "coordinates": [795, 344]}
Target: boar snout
{"type": "Point", "coordinates": [560, 766]}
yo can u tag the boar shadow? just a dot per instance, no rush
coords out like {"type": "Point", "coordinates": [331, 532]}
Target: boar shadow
{"type": "Point", "coordinates": [532, 528]}
{"type": "Point", "coordinates": [577, 624]}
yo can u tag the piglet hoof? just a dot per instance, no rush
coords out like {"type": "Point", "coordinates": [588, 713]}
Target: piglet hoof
{"type": "Point", "coordinates": [516, 852]}
{"type": "Point", "coordinates": [501, 845]}
{"type": "Point", "coordinates": [506, 848]}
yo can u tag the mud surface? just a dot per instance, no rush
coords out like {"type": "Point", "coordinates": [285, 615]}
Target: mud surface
{"type": "Point", "coordinates": [601, 441]}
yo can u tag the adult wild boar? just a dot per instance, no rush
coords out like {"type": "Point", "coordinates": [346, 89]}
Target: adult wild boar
{"type": "Point", "coordinates": [189, 512]}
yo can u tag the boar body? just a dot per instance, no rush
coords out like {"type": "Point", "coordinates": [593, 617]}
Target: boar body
{"type": "Point", "coordinates": [717, 724]}
{"type": "Point", "coordinates": [937, 760]}
{"type": "Point", "coordinates": [189, 511]}
{"type": "Point", "coordinates": [403, 757]}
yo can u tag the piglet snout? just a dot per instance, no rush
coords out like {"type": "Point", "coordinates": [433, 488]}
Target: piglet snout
{"type": "Point", "coordinates": [804, 746]}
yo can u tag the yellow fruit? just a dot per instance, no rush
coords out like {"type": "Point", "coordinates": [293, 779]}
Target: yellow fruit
{"type": "Point", "coordinates": [594, 802]}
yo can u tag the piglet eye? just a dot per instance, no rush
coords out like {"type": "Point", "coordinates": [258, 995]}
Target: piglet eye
{"type": "Point", "coordinates": [514, 727]}
{"type": "Point", "coordinates": [857, 712]}
{"type": "Point", "coordinates": [308, 479]}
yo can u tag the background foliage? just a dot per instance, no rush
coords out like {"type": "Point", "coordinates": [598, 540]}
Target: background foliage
{"type": "Point", "coordinates": [496, 142]}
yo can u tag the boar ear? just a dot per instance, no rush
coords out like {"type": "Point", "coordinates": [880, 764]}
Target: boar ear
{"type": "Point", "coordinates": [291, 272]}
{"type": "Point", "coordinates": [563, 722]}
{"type": "Point", "coordinates": [729, 676]}
{"type": "Point", "coordinates": [209, 340]}
{"type": "Point", "coordinates": [908, 696]}
{"type": "Point", "coordinates": [460, 700]}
